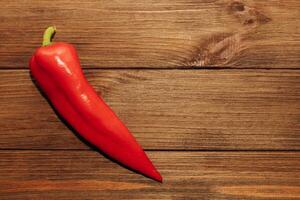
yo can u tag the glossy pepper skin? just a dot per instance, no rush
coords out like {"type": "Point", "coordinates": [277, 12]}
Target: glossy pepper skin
{"type": "Point", "coordinates": [56, 68]}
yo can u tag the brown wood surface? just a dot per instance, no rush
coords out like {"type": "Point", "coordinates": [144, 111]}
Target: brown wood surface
{"type": "Point", "coordinates": [230, 132]}
{"type": "Point", "coordinates": [169, 109]}
{"type": "Point", "coordinates": [157, 34]}
{"type": "Point", "coordinates": [188, 175]}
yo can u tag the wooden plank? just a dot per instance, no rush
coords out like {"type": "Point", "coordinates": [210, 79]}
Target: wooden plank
{"type": "Point", "coordinates": [169, 109]}
{"type": "Point", "coordinates": [151, 34]}
{"type": "Point", "coordinates": [187, 175]}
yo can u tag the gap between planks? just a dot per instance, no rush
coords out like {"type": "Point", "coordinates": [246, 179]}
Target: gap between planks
{"type": "Point", "coordinates": [165, 150]}
{"type": "Point", "coordinates": [169, 69]}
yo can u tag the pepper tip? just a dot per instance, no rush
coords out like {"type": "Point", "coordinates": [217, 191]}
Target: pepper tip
{"type": "Point", "coordinates": [157, 177]}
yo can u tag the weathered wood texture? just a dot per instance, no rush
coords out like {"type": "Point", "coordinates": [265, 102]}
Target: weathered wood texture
{"type": "Point", "coordinates": [188, 175]}
{"type": "Point", "coordinates": [169, 109]}
{"type": "Point", "coordinates": [164, 34]}
{"type": "Point", "coordinates": [244, 107]}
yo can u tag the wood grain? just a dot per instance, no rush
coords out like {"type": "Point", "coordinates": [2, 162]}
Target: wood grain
{"type": "Point", "coordinates": [187, 175]}
{"type": "Point", "coordinates": [168, 109]}
{"type": "Point", "coordinates": [157, 34]}
{"type": "Point", "coordinates": [228, 133]}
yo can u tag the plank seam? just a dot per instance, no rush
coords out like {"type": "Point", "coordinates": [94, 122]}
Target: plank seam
{"type": "Point", "coordinates": [166, 150]}
{"type": "Point", "coordinates": [169, 69]}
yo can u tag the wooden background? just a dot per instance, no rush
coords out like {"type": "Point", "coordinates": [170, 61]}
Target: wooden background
{"type": "Point", "coordinates": [211, 90]}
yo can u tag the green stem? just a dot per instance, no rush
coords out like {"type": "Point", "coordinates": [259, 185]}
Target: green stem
{"type": "Point", "coordinates": [48, 35]}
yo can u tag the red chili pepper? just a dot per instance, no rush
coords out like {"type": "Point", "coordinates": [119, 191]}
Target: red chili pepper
{"type": "Point", "coordinates": [56, 68]}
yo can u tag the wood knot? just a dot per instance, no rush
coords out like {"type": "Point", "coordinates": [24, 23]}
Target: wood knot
{"type": "Point", "coordinates": [218, 50]}
{"type": "Point", "coordinates": [236, 6]}
{"type": "Point", "coordinates": [247, 15]}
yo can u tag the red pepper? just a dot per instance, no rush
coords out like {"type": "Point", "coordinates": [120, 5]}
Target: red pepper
{"type": "Point", "coordinates": [56, 68]}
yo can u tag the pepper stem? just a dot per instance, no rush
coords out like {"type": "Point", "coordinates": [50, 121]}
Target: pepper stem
{"type": "Point", "coordinates": [48, 35]}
